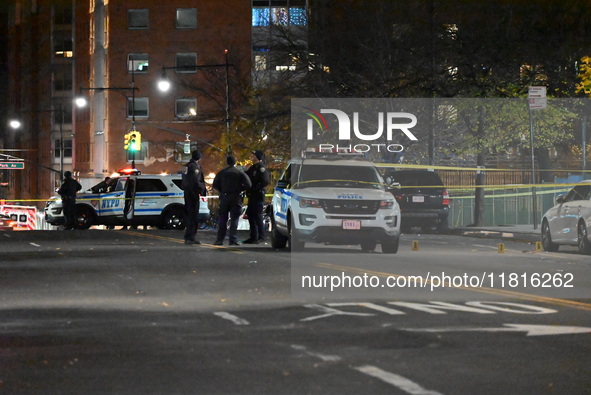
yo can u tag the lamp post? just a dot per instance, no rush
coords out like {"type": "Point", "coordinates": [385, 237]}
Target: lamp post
{"type": "Point", "coordinates": [16, 124]}
{"type": "Point", "coordinates": [82, 102]}
{"type": "Point", "coordinates": [164, 86]}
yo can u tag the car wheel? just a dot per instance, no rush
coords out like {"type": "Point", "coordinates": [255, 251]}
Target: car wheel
{"type": "Point", "coordinates": [295, 244]}
{"type": "Point", "coordinates": [277, 239]}
{"type": "Point", "coordinates": [368, 245]}
{"type": "Point", "coordinates": [173, 218]}
{"type": "Point", "coordinates": [583, 240]}
{"type": "Point", "coordinates": [390, 245]}
{"type": "Point", "coordinates": [547, 243]}
{"type": "Point", "coordinates": [84, 217]}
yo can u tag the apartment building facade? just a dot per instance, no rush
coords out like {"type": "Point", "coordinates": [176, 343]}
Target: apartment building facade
{"type": "Point", "coordinates": [114, 53]}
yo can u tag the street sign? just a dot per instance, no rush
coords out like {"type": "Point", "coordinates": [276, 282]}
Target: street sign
{"type": "Point", "coordinates": [536, 96]}
{"type": "Point", "coordinates": [12, 165]}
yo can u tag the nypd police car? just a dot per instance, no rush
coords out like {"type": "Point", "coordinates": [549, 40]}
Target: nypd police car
{"type": "Point", "coordinates": [336, 200]}
{"type": "Point", "coordinates": [155, 200]}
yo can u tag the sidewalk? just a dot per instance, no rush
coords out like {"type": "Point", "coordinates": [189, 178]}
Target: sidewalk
{"type": "Point", "coordinates": [525, 233]}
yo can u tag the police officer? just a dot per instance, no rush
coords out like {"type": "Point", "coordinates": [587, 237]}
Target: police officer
{"type": "Point", "coordinates": [193, 184]}
{"type": "Point", "coordinates": [230, 181]}
{"type": "Point", "coordinates": [68, 191]}
{"type": "Point", "coordinates": [259, 177]}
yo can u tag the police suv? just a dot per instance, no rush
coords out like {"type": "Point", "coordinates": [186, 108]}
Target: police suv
{"type": "Point", "coordinates": [331, 198]}
{"type": "Point", "coordinates": [155, 200]}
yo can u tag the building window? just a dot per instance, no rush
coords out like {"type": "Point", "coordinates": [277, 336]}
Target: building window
{"type": "Point", "coordinates": [62, 79]}
{"type": "Point", "coordinates": [137, 107]}
{"type": "Point", "coordinates": [186, 108]}
{"type": "Point", "coordinates": [138, 62]}
{"type": "Point", "coordinates": [67, 149]}
{"type": "Point", "coordinates": [137, 19]}
{"type": "Point", "coordinates": [260, 16]}
{"type": "Point", "coordinates": [281, 16]}
{"type": "Point", "coordinates": [186, 62]}
{"type": "Point", "coordinates": [186, 18]}
{"type": "Point", "coordinates": [62, 44]}
{"type": "Point", "coordinates": [298, 17]}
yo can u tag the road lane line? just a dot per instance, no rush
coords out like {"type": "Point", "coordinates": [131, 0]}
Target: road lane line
{"type": "Point", "coordinates": [34, 244]}
{"type": "Point", "coordinates": [322, 357]}
{"type": "Point", "coordinates": [494, 291]}
{"type": "Point", "coordinates": [231, 317]}
{"type": "Point", "coordinates": [402, 383]}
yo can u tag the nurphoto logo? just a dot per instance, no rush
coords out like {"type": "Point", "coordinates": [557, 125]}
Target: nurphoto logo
{"type": "Point", "coordinates": [381, 127]}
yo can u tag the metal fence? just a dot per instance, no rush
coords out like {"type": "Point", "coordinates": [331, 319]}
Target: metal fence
{"type": "Point", "coordinates": [511, 206]}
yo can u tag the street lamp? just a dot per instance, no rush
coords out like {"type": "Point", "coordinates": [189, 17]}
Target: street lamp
{"type": "Point", "coordinates": [16, 124]}
{"type": "Point", "coordinates": [164, 86]}
{"type": "Point", "coordinates": [81, 102]}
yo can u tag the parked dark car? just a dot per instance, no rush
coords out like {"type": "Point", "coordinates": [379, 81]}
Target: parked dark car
{"type": "Point", "coordinates": [422, 197]}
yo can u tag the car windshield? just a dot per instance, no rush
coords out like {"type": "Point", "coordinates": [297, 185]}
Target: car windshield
{"type": "Point", "coordinates": [339, 177]}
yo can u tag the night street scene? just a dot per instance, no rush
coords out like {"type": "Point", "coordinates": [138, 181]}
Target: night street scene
{"type": "Point", "coordinates": [295, 197]}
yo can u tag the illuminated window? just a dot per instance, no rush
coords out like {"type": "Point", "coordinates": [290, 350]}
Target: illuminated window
{"type": "Point", "coordinates": [62, 44]}
{"type": "Point", "coordinates": [138, 62]}
{"type": "Point", "coordinates": [137, 19]}
{"type": "Point", "coordinates": [186, 108]}
{"type": "Point", "coordinates": [186, 18]}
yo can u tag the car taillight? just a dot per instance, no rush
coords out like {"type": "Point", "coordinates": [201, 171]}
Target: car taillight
{"type": "Point", "coordinates": [445, 198]}
{"type": "Point", "coordinates": [386, 204]}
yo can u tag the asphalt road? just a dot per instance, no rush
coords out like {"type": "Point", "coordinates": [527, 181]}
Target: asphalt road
{"type": "Point", "coordinates": [138, 312]}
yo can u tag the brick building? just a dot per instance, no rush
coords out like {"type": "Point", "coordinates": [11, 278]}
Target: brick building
{"type": "Point", "coordinates": [114, 53]}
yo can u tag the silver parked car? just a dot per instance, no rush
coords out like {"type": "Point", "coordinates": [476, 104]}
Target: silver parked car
{"type": "Point", "coordinates": [569, 221]}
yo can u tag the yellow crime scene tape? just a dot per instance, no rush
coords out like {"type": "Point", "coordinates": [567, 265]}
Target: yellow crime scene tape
{"type": "Point", "coordinates": [456, 188]}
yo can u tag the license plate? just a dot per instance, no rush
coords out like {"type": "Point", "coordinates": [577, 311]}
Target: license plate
{"type": "Point", "coordinates": [351, 224]}
{"type": "Point", "coordinates": [418, 199]}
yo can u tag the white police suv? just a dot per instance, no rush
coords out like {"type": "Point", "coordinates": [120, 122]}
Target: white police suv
{"type": "Point", "coordinates": [329, 198]}
{"type": "Point", "coordinates": [155, 200]}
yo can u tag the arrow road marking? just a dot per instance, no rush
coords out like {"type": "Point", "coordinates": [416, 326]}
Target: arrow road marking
{"type": "Point", "coordinates": [531, 330]}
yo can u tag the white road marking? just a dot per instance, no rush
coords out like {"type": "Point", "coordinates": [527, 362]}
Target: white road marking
{"type": "Point", "coordinates": [406, 385]}
{"type": "Point", "coordinates": [322, 357]}
{"type": "Point", "coordinates": [531, 330]}
{"type": "Point", "coordinates": [6, 234]}
{"type": "Point", "coordinates": [483, 246]}
{"type": "Point", "coordinates": [35, 245]}
{"type": "Point", "coordinates": [231, 317]}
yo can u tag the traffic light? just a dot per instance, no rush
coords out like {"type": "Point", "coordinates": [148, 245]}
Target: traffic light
{"type": "Point", "coordinates": [126, 141]}
{"type": "Point", "coordinates": [135, 141]}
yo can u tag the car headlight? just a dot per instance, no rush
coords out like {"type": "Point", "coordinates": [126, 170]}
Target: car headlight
{"type": "Point", "coordinates": [306, 203]}
{"type": "Point", "coordinates": [386, 204]}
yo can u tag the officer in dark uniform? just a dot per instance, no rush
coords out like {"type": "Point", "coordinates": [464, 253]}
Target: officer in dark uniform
{"type": "Point", "coordinates": [68, 191]}
{"type": "Point", "coordinates": [259, 177]}
{"type": "Point", "coordinates": [230, 181]}
{"type": "Point", "coordinates": [193, 184]}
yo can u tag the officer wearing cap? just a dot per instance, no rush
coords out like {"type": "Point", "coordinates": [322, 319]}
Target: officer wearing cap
{"type": "Point", "coordinates": [259, 177]}
{"type": "Point", "coordinates": [68, 191]}
{"type": "Point", "coordinates": [193, 183]}
{"type": "Point", "coordinates": [230, 181]}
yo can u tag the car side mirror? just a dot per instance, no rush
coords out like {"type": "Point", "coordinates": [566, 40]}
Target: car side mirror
{"type": "Point", "coordinates": [559, 199]}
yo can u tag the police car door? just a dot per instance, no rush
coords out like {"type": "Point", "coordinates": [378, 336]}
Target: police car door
{"type": "Point", "coordinates": [111, 203]}
{"type": "Point", "coordinates": [151, 197]}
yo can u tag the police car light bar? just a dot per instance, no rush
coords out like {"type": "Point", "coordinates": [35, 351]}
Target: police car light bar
{"type": "Point", "coordinates": [129, 172]}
